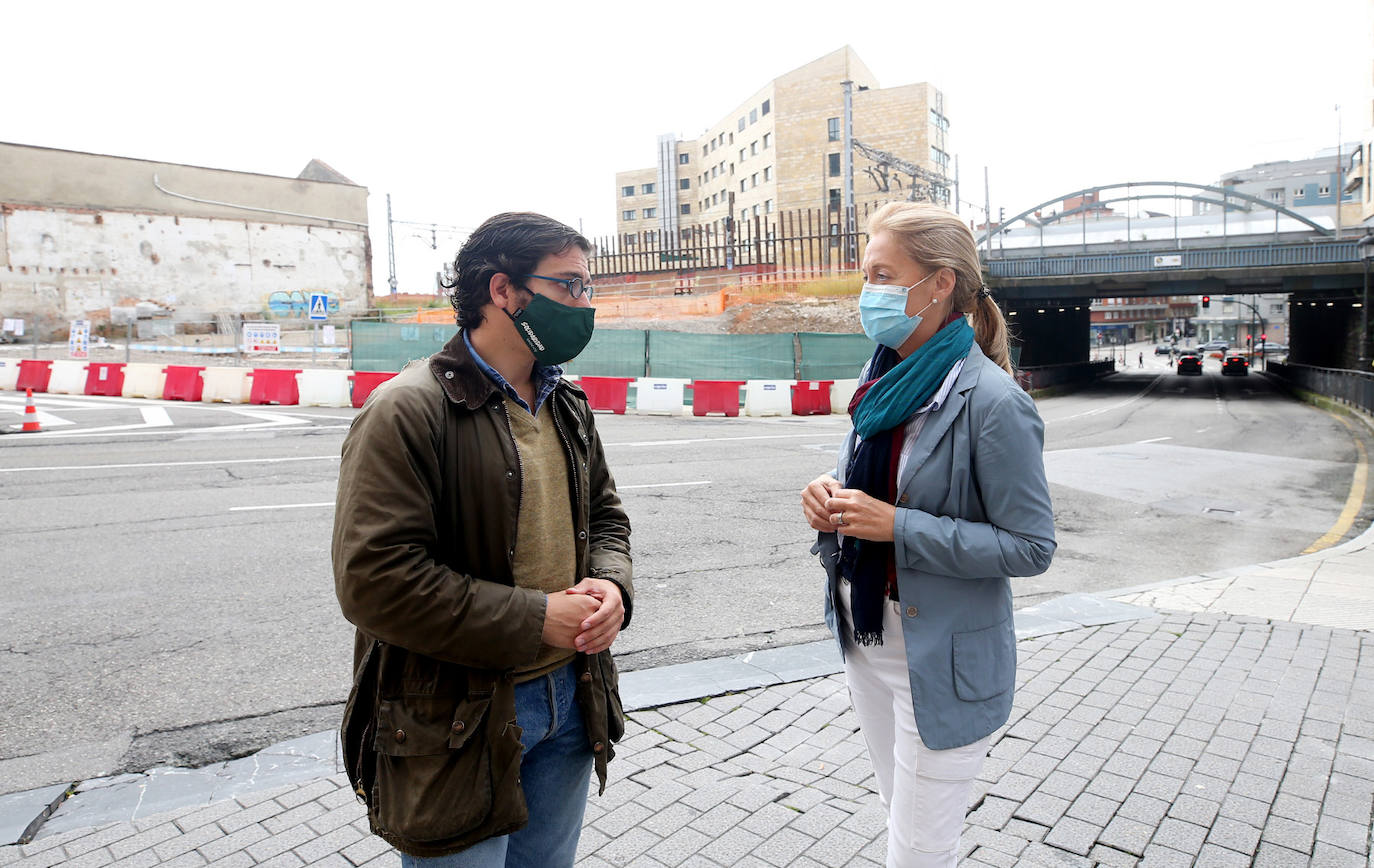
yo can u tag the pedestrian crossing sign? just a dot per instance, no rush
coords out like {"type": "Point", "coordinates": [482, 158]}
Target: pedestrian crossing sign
{"type": "Point", "coordinates": [319, 305]}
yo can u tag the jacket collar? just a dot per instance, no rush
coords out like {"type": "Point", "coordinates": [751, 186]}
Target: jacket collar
{"type": "Point", "coordinates": [462, 380]}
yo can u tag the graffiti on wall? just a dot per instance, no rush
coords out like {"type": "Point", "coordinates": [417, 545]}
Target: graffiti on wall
{"type": "Point", "coordinates": [295, 303]}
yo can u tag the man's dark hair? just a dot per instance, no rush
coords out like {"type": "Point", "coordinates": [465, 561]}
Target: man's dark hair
{"type": "Point", "coordinates": [513, 244]}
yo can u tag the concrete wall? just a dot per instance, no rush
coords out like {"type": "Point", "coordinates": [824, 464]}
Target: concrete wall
{"type": "Point", "coordinates": [80, 233]}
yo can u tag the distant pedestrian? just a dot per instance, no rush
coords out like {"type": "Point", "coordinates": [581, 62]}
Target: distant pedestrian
{"type": "Point", "coordinates": [482, 552]}
{"type": "Point", "coordinates": [1141, 361]}
{"type": "Point", "coordinates": [941, 496]}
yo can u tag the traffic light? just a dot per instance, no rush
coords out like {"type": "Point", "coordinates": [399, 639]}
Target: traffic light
{"type": "Point", "coordinates": [1263, 338]}
{"type": "Point", "coordinates": [1206, 302]}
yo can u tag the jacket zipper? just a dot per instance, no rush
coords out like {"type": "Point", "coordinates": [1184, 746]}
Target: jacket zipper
{"type": "Point", "coordinates": [572, 463]}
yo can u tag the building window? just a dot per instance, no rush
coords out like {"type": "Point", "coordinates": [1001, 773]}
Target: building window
{"type": "Point", "coordinates": [682, 159]}
{"type": "Point", "coordinates": [741, 185]}
{"type": "Point", "coordinates": [834, 165]}
{"type": "Point", "coordinates": [705, 149]}
{"type": "Point", "coordinates": [630, 240]}
{"type": "Point", "coordinates": [684, 209]}
{"type": "Point", "coordinates": [1324, 191]}
{"type": "Point", "coordinates": [768, 206]}
{"type": "Point", "coordinates": [715, 198]}
{"type": "Point", "coordinates": [767, 173]}
{"type": "Point", "coordinates": [684, 183]}
{"type": "Point", "coordinates": [756, 210]}
{"type": "Point", "coordinates": [754, 180]}
{"type": "Point", "coordinates": [713, 171]}
{"type": "Point", "coordinates": [940, 159]}
{"type": "Point", "coordinates": [832, 127]}
{"type": "Point", "coordinates": [741, 155]}
{"type": "Point", "coordinates": [650, 213]}
{"type": "Point", "coordinates": [627, 191]}
{"type": "Point", "coordinates": [767, 106]}
{"type": "Point", "coordinates": [646, 189]}
{"type": "Point", "coordinates": [753, 116]}
{"type": "Point", "coordinates": [741, 123]}
{"type": "Point", "coordinates": [767, 140]}
{"type": "Point", "coordinates": [732, 138]}
{"type": "Point", "coordinates": [627, 215]}
{"type": "Point", "coordinates": [834, 198]}
{"type": "Point", "coordinates": [754, 147]}
{"type": "Point", "coordinates": [743, 214]}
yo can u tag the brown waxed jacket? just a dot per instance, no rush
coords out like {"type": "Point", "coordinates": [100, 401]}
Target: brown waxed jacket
{"type": "Point", "coordinates": [424, 540]}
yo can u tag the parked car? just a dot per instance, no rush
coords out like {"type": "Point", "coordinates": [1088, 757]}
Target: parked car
{"type": "Point", "coordinates": [1235, 365]}
{"type": "Point", "coordinates": [1215, 345]}
{"type": "Point", "coordinates": [1271, 349]}
{"type": "Point", "coordinates": [1190, 363]}
{"type": "Point", "coordinates": [1163, 349]}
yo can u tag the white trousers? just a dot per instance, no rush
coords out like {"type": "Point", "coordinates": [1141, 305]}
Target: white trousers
{"type": "Point", "coordinates": [926, 792]}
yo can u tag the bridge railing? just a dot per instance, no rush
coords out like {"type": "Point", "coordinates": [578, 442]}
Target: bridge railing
{"type": "Point", "coordinates": [1165, 260]}
{"type": "Point", "coordinates": [1355, 388]}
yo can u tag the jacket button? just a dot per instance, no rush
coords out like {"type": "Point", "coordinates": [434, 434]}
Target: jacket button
{"type": "Point", "coordinates": [585, 677]}
{"type": "Point", "coordinates": [510, 473]}
{"type": "Point", "coordinates": [911, 611]}
{"type": "Point", "coordinates": [459, 726]}
{"type": "Point", "coordinates": [448, 375]}
{"type": "Point", "coordinates": [400, 736]}
{"type": "Point", "coordinates": [598, 747]}
{"type": "Point", "coordinates": [512, 552]}
{"type": "Point", "coordinates": [581, 534]}
{"type": "Point", "coordinates": [904, 498]}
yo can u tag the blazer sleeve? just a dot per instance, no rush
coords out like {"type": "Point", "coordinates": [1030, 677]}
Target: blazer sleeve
{"type": "Point", "coordinates": [387, 579]}
{"type": "Point", "coordinates": [1017, 539]}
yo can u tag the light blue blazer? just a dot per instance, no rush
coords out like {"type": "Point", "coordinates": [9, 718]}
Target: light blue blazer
{"type": "Point", "coordinates": [973, 508]}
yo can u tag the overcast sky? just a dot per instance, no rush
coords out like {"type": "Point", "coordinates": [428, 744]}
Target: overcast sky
{"type": "Point", "coordinates": [460, 110]}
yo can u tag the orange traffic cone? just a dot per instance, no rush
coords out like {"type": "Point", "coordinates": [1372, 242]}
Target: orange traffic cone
{"type": "Point", "coordinates": [30, 414]}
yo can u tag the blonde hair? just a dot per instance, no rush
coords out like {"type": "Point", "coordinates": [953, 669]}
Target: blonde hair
{"type": "Point", "coordinates": [937, 238]}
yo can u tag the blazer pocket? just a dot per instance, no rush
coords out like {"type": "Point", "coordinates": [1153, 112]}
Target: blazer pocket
{"type": "Point", "coordinates": [984, 662]}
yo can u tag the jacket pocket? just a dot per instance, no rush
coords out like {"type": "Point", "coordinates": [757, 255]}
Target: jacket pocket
{"type": "Point", "coordinates": [984, 662]}
{"type": "Point", "coordinates": [436, 775]}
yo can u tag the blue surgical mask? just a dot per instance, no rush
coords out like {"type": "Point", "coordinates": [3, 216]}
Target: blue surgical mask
{"type": "Point", "coordinates": [882, 311]}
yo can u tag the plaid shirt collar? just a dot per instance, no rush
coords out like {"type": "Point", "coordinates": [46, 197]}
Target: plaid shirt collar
{"type": "Point", "coordinates": [546, 377]}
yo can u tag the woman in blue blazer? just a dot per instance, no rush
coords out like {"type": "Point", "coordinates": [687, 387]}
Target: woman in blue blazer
{"type": "Point", "coordinates": [940, 497]}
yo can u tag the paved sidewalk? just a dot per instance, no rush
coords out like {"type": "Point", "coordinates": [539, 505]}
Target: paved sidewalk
{"type": "Point", "coordinates": [1208, 737]}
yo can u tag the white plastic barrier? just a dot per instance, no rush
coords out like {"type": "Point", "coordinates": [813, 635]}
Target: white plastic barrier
{"type": "Point", "coordinates": [841, 393]}
{"type": "Point", "coordinates": [9, 374]}
{"type": "Point", "coordinates": [768, 397]}
{"type": "Point", "coordinates": [143, 380]}
{"type": "Point", "coordinates": [324, 388]}
{"type": "Point", "coordinates": [227, 385]}
{"type": "Point", "coordinates": [68, 377]}
{"type": "Point", "coordinates": [659, 395]}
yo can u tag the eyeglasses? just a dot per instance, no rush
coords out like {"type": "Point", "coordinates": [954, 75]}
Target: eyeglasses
{"type": "Point", "coordinates": [574, 286]}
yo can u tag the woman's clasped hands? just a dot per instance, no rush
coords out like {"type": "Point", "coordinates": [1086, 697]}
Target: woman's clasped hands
{"type": "Point", "coordinates": [830, 507]}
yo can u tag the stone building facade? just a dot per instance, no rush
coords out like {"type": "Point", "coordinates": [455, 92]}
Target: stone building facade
{"type": "Point", "coordinates": [82, 233]}
{"type": "Point", "coordinates": [780, 150]}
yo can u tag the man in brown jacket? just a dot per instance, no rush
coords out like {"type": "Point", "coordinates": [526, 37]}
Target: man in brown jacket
{"type": "Point", "coordinates": [482, 552]}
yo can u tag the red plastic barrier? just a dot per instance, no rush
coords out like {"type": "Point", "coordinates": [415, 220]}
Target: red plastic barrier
{"type": "Point", "coordinates": [364, 382]}
{"type": "Point", "coordinates": [715, 396]}
{"type": "Point", "coordinates": [607, 393]}
{"type": "Point", "coordinates": [105, 378]}
{"type": "Point", "coordinates": [34, 374]}
{"type": "Point", "coordinates": [183, 382]}
{"type": "Point", "coordinates": [274, 386]}
{"type": "Point", "coordinates": [811, 397]}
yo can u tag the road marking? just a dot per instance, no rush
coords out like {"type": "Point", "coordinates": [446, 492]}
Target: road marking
{"type": "Point", "coordinates": [663, 485]}
{"type": "Point", "coordinates": [1153, 440]}
{"type": "Point", "coordinates": [169, 464]}
{"type": "Point", "coordinates": [722, 439]}
{"type": "Point", "coordinates": [155, 417]}
{"type": "Point", "coordinates": [1143, 392]}
{"type": "Point", "coordinates": [281, 506]}
{"type": "Point", "coordinates": [1353, 501]}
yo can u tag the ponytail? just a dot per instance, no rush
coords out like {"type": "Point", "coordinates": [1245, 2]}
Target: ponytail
{"type": "Point", "coordinates": [990, 330]}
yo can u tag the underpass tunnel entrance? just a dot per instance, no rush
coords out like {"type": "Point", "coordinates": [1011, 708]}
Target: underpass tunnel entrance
{"type": "Point", "coordinates": [1049, 332]}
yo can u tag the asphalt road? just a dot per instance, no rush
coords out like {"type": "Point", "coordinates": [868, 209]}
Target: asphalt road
{"type": "Point", "coordinates": [168, 597]}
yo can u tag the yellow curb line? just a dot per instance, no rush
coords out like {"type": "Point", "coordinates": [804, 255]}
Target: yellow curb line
{"type": "Point", "coordinates": [1352, 503]}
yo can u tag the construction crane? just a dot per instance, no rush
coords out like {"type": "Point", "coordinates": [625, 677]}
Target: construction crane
{"type": "Point", "coordinates": [924, 185]}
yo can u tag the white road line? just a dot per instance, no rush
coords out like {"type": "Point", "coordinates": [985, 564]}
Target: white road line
{"type": "Point", "coordinates": [1143, 392]}
{"type": "Point", "coordinates": [281, 506]}
{"type": "Point", "coordinates": [155, 417]}
{"type": "Point", "coordinates": [1153, 440]}
{"type": "Point", "coordinates": [663, 485]}
{"type": "Point", "coordinates": [829, 434]}
{"type": "Point", "coordinates": [170, 464]}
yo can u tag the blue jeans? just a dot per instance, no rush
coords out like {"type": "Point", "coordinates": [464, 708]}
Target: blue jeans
{"type": "Point", "coordinates": [555, 770]}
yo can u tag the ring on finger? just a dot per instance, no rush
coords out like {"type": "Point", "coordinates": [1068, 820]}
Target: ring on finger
{"type": "Point", "coordinates": [840, 520]}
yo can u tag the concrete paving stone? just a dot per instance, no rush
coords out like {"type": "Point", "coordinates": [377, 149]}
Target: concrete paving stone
{"type": "Point", "coordinates": [1296, 808]}
{"type": "Point", "coordinates": [1109, 856]}
{"type": "Point", "coordinates": [1126, 834]}
{"type": "Point", "coordinates": [783, 847]}
{"type": "Point", "coordinates": [1234, 834]}
{"type": "Point", "coordinates": [143, 840]}
{"type": "Point", "coordinates": [1194, 809]}
{"type": "Point", "coordinates": [1143, 808]}
{"type": "Point", "coordinates": [1271, 855]}
{"type": "Point", "coordinates": [1111, 786]}
{"type": "Point", "coordinates": [993, 812]}
{"type": "Point", "coordinates": [1356, 809]}
{"type": "Point", "coordinates": [241, 859]}
{"type": "Point", "coordinates": [1216, 766]}
{"type": "Point", "coordinates": [1098, 745]}
{"type": "Point", "coordinates": [1035, 764]}
{"type": "Point", "coordinates": [328, 822]}
{"type": "Point", "coordinates": [294, 817]}
{"type": "Point", "coordinates": [1015, 786]}
{"type": "Point", "coordinates": [628, 816]}
{"type": "Point", "coordinates": [188, 841]}
{"type": "Point", "coordinates": [1063, 784]}
{"type": "Point", "coordinates": [1303, 786]}
{"type": "Point", "coordinates": [231, 823]}
{"type": "Point", "coordinates": [1263, 766]}
{"type": "Point", "coordinates": [1126, 765]}
{"type": "Point", "coordinates": [731, 846]}
{"type": "Point", "coordinates": [1255, 787]}
{"type": "Point", "coordinates": [1289, 833]}
{"type": "Point", "coordinates": [1325, 855]}
{"type": "Point", "coordinates": [1056, 746]}
{"type": "Point", "coordinates": [1076, 836]}
{"type": "Point", "coordinates": [719, 819]}
{"type": "Point", "coordinates": [1247, 810]}
{"type": "Point", "coordinates": [1045, 855]}
{"type": "Point", "coordinates": [986, 856]}
{"type": "Point", "coordinates": [367, 849]}
{"type": "Point", "coordinates": [624, 848]}
{"type": "Point", "coordinates": [1215, 855]}
{"type": "Point", "coordinates": [281, 842]}
{"type": "Point", "coordinates": [678, 846]}
{"type": "Point", "coordinates": [389, 860]}
{"type": "Point", "coordinates": [1043, 808]}
{"type": "Point", "coordinates": [1003, 842]}
{"type": "Point", "coordinates": [223, 847]}
{"type": "Point", "coordinates": [1025, 830]}
{"type": "Point", "coordinates": [1343, 833]}
{"type": "Point", "coordinates": [1159, 856]}
{"type": "Point", "coordinates": [283, 860]}
{"type": "Point", "coordinates": [191, 859]}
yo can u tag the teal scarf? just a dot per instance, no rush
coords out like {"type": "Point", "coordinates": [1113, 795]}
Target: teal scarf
{"type": "Point", "coordinates": [913, 381]}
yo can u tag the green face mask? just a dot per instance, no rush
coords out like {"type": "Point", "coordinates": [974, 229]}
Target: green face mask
{"type": "Point", "coordinates": [554, 332]}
